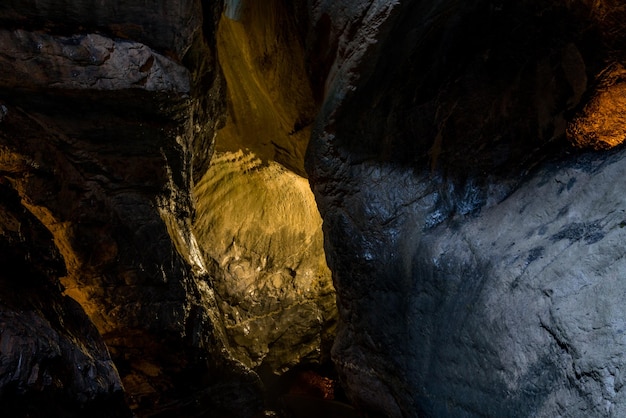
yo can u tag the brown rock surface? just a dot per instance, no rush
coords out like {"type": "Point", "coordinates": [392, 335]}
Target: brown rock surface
{"type": "Point", "coordinates": [601, 124]}
{"type": "Point", "coordinates": [270, 103]}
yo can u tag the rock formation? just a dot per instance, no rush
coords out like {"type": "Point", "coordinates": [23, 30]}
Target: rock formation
{"type": "Point", "coordinates": [109, 114]}
{"type": "Point", "coordinates": [52, 355]}
{"type": "Point", "coordinates": [270, 101]}
{"type": "Point", "coordinates": [466, 158]}
{"type": "Point", "coordinates": [99, 110]}
{"type": "Point", "coordinates": [482, 276]}
{"type": "Point", "coordinates": [261, 232]}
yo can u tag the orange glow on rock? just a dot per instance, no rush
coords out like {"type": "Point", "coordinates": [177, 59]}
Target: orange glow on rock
{"type": "Point", "coordinates": [602, 122]}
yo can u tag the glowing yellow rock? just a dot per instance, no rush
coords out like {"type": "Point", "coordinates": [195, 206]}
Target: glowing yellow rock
{"type": "Point", "coordinates": [260, 230]}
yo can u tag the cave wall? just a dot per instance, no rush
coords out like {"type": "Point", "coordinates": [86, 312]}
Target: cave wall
{"type": "Point", "coordinates": [256, 221]}
{"type": "Point", "coordinates": [270, 101]}
{"type": "Point", "coordinates": [109, 118]}
{"type": "Point", "coordinates": [482, 275]}
{"type": "Point", "coordinates": [51, 352]}
{"type": "Point", "coordinates": [465, 158]}
{"type": "Point", "coordinates": [108, 112]}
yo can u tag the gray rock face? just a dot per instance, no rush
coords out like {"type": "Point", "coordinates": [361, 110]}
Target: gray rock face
{"type": "Point", "coordinates": [88, 61]}
{"type": "Point", "coordinates": [511, 312]}
{"type": "Point", "coordinates": [475, 253]}
{"type": "Point", "coordinates": [168, 26]}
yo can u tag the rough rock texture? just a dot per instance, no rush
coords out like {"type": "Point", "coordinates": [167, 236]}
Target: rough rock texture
{"type": "Point", "coordinates": [262, 235]}
{"type": "Point", "coordinates": [109, 113]}
{"type": "Point", "coordinates": [99, 139]}
{"type": "Point", "coordinates": [90, 61]}
{"type": "Point", "coordinates": [602, 124]}
{"type": "Point", "coordinates": [476, 254]}
{"type": "Point", "coordinates": [474, 237]}
{"type": "Point", "coordinates": [50, 353]}
{"type": "Point", "coordinates": [168, 26]}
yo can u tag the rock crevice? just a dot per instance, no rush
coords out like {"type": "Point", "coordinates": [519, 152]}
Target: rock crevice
{"type": "Point", "coordinates": [466, 159]}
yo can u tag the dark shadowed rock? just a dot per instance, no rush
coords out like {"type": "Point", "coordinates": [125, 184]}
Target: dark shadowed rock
{"type": "Point", "coordinates": [91, 61]}
{"type": "Point", "coordinates": [53, 361]}
{"type": "Point", "coordinates": [168, 26]}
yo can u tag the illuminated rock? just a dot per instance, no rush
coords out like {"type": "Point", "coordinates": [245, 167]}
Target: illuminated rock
{"type": "Point", "coordinates": [259, 227]}
{"type": "Point", "coordinates": [602, 122]}
{"type": "Point", "coordinates": [100, 137]}
{"type": "Point", "coordinates": [270, 102]}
